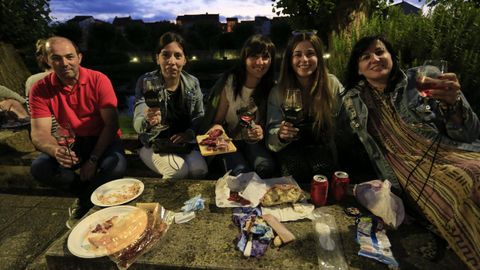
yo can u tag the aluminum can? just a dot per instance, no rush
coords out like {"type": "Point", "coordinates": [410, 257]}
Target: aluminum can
{"type": "Point", "coordinates": [340, 181]}
{"type": "Point", "coordinates": [319, 190]}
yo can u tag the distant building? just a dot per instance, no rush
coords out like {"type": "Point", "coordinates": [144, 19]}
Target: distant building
{"type": "Point", "coordinates": [122, 22]}
{"type": "Point", "coordinates": [187, 21]}
{"type": "Point", "coordinates": [231, 23]}
{"type": "Point", "coordinates": [262, 25]}
{"type": "Point", "coordinates": [407, 8]}
{"type": "Point", "coordinates": [84, 22]}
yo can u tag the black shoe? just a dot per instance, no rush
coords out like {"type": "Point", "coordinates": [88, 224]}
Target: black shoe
{"type": "Point", "coordinates": [75, 213]}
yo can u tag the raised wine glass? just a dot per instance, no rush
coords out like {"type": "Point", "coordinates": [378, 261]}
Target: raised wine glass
{"type": "Point", "coordinates": [293, 107]}
{"type": "Point", "coordinates": [247, 116]}
{"type": "Point", "coordinates": [427, 80]}
{"type": "Point", "coordinates": [155, 98]}
{"type": "Point", "coordinates": [65, 137]}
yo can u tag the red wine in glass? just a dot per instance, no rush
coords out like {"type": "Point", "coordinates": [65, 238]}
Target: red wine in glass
{"type": "Point", "coordinates": [292, 114]}
{"type": "Point", "coordinates": [65, 137]}
{"type": "Point", "coordinates": [292, 106]}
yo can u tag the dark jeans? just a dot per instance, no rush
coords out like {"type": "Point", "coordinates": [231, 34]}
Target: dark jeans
{"type": "Point", "coordinates": [249, 157]}
{"type": "Point", "coordinates": [111, 165]}
{"type": "Point", "coordinates": [303, 161]}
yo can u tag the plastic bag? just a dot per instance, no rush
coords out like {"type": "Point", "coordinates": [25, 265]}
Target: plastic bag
{"type": "Point", "coordinates": [329, 247]}
{"type": "Point", "coordinates": [375, 195]}
{"type": "Point", "coordinates": [159, 220]}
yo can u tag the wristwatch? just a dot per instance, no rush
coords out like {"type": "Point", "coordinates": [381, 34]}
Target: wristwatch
{"type": "Point", "coordinates": [93, 159]}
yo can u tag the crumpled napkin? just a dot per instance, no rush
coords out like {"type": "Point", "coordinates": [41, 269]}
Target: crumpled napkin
{"type": "Point", "coordinates": [194, 204]}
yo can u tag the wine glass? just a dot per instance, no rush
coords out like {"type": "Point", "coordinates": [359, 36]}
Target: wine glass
{"type": "Point", "coordinates": [65, 137]}
{"type": "Point", "coordinates": [247, 116]}
{"type": "Point", "coordinates": [292, 107]}
{"type": "Point", "coordinates": [427, 79]}
{"type": "Point", "coordinates": [155, 98]}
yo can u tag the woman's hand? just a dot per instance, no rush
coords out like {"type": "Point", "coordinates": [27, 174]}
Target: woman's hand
{"type": "Point", "coordinates": [447, 89]}
{"type": "Point", "coordinates": [255, 133]}
{"type": "Point", "coordinates": [180, 138]}
{"type": "Point", "coordinates": [153, 116]}
{"type": "Point", "coordinates": [287, 131]}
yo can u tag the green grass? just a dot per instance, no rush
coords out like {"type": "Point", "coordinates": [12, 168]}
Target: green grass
{"type": "Point", "coordinates": [126, 124]}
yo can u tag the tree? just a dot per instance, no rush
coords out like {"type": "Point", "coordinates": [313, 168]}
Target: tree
{"type": "Point", "coordinates": [21, 24]}
{"type": "Point", "coordinates": [449, 31]}
{"type": "Point", "coordinates": [138, 35]}
{"type": "Point", "coordinates": [242, 32]}
{"type": "Point", "coordinates": [201, 35]}
{"type": "Point", "coordinates": [280, 32]}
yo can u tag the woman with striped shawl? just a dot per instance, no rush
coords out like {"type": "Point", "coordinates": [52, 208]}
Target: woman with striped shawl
{"type": "Point", "coordinates": [431, 156]}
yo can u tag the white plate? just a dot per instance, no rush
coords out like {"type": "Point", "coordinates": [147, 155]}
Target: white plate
{"type": "Point", "coordinates": [78, 243]}
{"type": "Point", "coordinates": [116, 192]}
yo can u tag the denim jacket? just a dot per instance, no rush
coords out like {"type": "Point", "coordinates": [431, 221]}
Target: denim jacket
{"type": "Point", "coordinates": [191, 94]}
{"type": "Point", "coordinates": [406, 100]}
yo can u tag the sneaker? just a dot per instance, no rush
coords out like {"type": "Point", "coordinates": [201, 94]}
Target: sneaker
{"type": "Point", "coordinates": [75, 213]}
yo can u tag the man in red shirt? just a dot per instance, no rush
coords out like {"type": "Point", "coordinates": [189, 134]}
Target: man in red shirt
{"type": "Point", "coordinates": [83, 101]}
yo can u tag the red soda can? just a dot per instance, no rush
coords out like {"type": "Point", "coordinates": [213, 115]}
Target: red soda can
{"type": "Point", "coordinates": [319, 190]}
{"type": "Point", "coordinates": [340, 183]}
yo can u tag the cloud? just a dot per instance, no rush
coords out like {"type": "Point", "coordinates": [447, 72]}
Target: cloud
{"type": "Point", "coordinates": [154, 10]}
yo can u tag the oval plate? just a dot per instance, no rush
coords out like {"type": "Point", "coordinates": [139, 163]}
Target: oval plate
{"type": "Point", "coordinates": [116, 192]}
{"type": "Point", "coordinates": [77, 242]}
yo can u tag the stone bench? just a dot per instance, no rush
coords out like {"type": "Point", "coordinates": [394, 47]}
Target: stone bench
{"type": "Point", "coordinates": [17, 154]}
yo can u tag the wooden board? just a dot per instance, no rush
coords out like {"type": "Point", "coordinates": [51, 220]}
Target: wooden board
{"type": "Point", "coordinates": [205, 152]}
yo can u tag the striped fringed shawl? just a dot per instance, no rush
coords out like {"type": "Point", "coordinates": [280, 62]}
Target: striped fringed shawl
{"type": "Point", "coordinates": [446, 197]}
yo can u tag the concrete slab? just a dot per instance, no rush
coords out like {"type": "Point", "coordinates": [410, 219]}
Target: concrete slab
{"type": "Point", "coordinates": [208, 240]}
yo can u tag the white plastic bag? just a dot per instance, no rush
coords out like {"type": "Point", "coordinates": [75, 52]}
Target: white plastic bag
{"type": "Point", "coordinates": [375, 195]}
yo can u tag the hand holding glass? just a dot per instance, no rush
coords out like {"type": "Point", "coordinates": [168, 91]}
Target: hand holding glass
{"type": "Point", "coordinates": [427, 79]}
{"type": "Point", "coordinates": [65, 137]}
{"type": "Point", "coordinates": [292, 106]}
{"type": "Point", "coordinates": [247, 120]}
{"type": "Point", "coordinates": [153, 88]}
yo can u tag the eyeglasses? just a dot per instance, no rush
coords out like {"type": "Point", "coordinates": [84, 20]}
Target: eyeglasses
{"type": "Point", "coordinates": [306, 31]}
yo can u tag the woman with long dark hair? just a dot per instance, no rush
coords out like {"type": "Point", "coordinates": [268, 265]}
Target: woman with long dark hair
{"type": "Point", "coordinates": [241, 91]}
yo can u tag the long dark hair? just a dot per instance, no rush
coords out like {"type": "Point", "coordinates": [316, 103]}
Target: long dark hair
{"type": "Point", "coordinates": [322, 102]}
{"type": "Point", "coordinates": [352, 77]}
{"type": "Point", "coordinates": [255, 45]}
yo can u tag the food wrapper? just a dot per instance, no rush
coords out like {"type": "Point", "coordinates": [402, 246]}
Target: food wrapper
{"type": "Point", "coordinates": [159, 221]}
{"type": "Point", "coordinates": [251, 190]}
{"type": "Point", "coordinates": [289, 212]}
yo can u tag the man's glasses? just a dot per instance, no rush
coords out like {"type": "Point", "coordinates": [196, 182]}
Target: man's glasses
{"type": "Point", "coordinates": [307, 32]}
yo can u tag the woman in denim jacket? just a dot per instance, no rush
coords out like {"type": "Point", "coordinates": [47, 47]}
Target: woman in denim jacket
{"type": "Point", "coordinates": [433, 156]}
{"type": "Point", "coordinates": [184, 107]}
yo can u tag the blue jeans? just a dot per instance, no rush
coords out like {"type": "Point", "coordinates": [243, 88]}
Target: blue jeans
{"type": "Point", "coordinates": [249, 157]}
{"type": "Point", "coordinates": [111, 165]}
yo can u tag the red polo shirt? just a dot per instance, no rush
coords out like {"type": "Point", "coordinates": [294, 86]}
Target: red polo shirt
{"type": "Point", "coordinates": [78, 106]}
